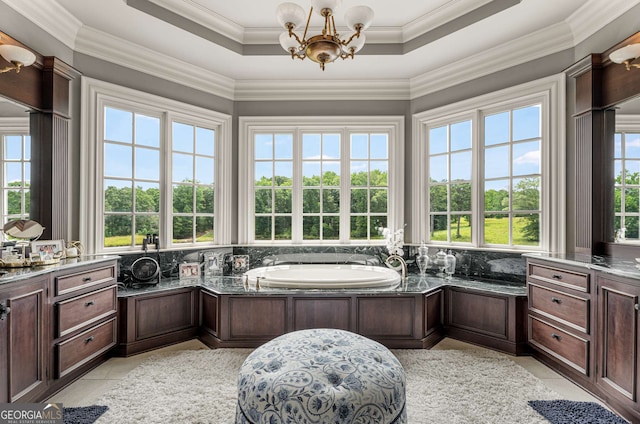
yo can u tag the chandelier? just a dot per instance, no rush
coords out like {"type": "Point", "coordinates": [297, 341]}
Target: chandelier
{"type": "Point", "coordinates": [328, 46]}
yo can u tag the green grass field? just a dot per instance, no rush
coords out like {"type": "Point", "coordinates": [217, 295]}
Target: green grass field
{"type": "Point", "coordinates": [496, 231]}
{"type": "Point", "coordinates": [119, 241]}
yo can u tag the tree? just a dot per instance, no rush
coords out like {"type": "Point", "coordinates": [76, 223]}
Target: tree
{"type": "Point", "coordinates": [526, 197]}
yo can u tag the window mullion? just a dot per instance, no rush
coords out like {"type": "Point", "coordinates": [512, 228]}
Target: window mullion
{"type": "Point", "coordinates": [296, 195]}
{"type": "Point", "coordinates": [166, 183]}
{"type": "Point", "coordinates": [345, 185]}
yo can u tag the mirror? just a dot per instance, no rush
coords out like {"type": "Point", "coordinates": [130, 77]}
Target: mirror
{"type": "Point", "coordinates": [626, 164]}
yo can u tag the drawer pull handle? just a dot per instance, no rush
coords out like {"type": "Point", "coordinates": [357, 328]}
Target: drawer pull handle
{"type": "Point", "coordinates": [556, 300]}
{"type": "Point", "coordinates": [89, 339]}
{"type": "Point", "coordinates": [5, 310]}
{"type": "Point", "coordinates": [90, 303]}
{"type": "Point", "coordinates": [86, 279]}
{"type": "Point", "coordinates": [556, 336]}
{"type": "Point", "coordinates": [556, 276]}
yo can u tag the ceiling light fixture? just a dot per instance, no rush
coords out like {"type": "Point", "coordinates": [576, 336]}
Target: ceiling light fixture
{"type": "Point", "coordinates": [17, 56]}
{"type": "Point", "coordinates": [626, 55]}
{"type": "Point", "coordinates": [328, 46]}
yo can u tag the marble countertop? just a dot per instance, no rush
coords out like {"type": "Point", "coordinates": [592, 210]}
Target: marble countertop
{"type": "Point", "coordinates": [412, 285]}
{"type": "Point", "coordinates": [614, 266]}
{"type": "Point", "coordinates": [10, 275]}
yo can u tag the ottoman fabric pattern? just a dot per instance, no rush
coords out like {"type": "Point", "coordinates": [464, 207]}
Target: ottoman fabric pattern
{"type": "Point", "coordinates": [321, 376]}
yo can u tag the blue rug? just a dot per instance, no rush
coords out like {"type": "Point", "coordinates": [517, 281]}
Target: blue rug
{"type": "Point", "coordinates": [83, 414]}
{"type": "Point", "coordinates": [570, 412]}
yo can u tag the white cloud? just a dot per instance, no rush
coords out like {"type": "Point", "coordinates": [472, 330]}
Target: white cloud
{"type": "Point", "coordinates": [528, 158]}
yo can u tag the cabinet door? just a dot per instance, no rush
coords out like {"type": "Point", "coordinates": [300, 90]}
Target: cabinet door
{"type": "Point", "coordinates": [22, 340]}
{"type": "Point", "coordinates": [618, 342]}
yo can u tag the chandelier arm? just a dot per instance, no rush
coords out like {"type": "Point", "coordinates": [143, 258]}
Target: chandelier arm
{"type": "Point", "coordinates": [294, 35]}
{"type": "Point", "coordinates": [356, 34]}
{"type": "Point", "coordinates": [335, 31]}
{"type": "Point", "coordinates": [306, 28]}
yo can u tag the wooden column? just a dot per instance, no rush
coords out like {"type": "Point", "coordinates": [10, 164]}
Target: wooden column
{"type": "Point", "coordinates": [50, 135]}
{"type": "Point", "coordinates": [600, 86]}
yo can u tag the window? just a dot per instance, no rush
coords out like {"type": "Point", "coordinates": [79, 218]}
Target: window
{"type": "Point", "coordinates": [627, 178]}
{"type": "Point", "coordinates": [16, 168]}
{"type": "Point", "coordinates": [158, 165]}
{"type": "Point", "coordinates": [491, 171]}
{"type": "Point", "coordinates": [320, 182]}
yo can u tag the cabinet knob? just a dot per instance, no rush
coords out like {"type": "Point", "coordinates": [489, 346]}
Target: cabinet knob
{"type": "Point", "coordinates": [89, 339]}
{"type": "Point", "coordinates": [556, 300]}
{"type": "Point", "coordinates": [86, 279]}
{"type": "Point", "coordinates": [556, 336]}
{"type": "Point", "coordinates": [556, 276]}
{"type": "Point", "coordinates": [4, 311]}
{"type": "Point", "coordinates": [90, 303]}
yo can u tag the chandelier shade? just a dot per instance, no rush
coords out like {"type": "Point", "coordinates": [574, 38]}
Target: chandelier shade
{"type": "Point", "coordinates": [290, 13]}
{"type": "Point", "coordinates": [359, 15]}
{"type": "Point", "coordinates": [319, 5]}
{"type": "Point", "coordinates": [327, 46]}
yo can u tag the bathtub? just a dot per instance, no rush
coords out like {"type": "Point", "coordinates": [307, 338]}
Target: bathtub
{"type": "Point", "coordinates": [324, 276]}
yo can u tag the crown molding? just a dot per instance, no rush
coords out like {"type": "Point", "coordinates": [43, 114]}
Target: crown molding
{"type": "Point", "coordinates": [439, 16]}
{"type": "Point", "coordinates": [262, 90]}
{"type": "Point", "coordinates": [204, 16]}
{"type": "Point", "coordinates": [14, 124]}
{"type": "Point", "coordinates": [544, 42]}
{"type": "Point", "coordinates": [51, 17]}
{"type": "Point", "coordinates": [113, 49]}
{"type": "Point", "coordinates": [592, 16]}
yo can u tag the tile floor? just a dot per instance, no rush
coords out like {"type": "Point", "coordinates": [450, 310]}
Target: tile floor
{"type": "Point", "coordinates": [88, 389]}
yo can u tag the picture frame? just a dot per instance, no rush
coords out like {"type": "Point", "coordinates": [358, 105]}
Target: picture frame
{"type": "Point", "coordinates": [240, 264]}
{"type": "Point", "coordinates": [213, 263]}
{"type": "Point", "coordinates": [48, 249]}
{"type": "Point", "coordinates": [189, 270]}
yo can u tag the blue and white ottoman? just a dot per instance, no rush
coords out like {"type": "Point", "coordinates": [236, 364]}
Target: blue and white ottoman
{"type": "Point", "coordinates": [324, 376]}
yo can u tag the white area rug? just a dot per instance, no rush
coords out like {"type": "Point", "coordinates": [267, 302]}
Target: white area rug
{"type": "Point", "coordinates": [443, 386]}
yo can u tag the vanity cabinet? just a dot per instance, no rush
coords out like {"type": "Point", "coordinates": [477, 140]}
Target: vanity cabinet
{"type": "Point", "coordinates": [561, 310]}
{"type": "Point", "coordinates": [585, 324]}
{"type": "Point", "coordinates": [485, 318]}
{"type": "Point", "coordinates": [152, 320]}
{"type": "Point", "coordinates": [24, 334]}
{"type": "Point", "coordinates": [619, 346]}
{"type": "Point", "coordinates": [83, 320]}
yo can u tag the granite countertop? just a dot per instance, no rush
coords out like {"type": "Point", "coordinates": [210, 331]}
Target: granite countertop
{"type": "Point", "coordinates": [10, 275]}
{"type": "Point", "coordinates": [412, 285]}
{"type": "Point", "coordinates": [607, 264]}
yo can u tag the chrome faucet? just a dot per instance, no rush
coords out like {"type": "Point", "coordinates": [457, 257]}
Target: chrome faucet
{"type": "Point", "coordinates": [403, 264]}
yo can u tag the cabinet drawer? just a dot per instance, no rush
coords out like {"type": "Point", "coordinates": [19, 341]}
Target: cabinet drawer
{"type": "Point", "coordinates": [563, 277]}
{"type": "Point", "coordinates": [84, 310]}
{"type": "Point", "coordinates": [73, 282]}
{"type": "Point", "coordinates": [85, 346]}
{"type": "Point", "coordinates": [566, 347]}
{"type": "Point", "coordinates": [570, 310]}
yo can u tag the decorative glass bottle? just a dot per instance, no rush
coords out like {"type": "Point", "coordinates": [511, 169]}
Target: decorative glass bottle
{"type": "Point", "coordinates": [441, 258]}
{"type": "Point", "coordinates": [422, 259]}
{"type": "Point", "coordinates": [450, 264]}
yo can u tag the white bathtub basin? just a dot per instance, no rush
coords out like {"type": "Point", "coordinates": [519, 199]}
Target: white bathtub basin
{"type": "Point", "coordinates": [324, 276]}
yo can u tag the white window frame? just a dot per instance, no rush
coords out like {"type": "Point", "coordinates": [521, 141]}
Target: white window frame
{"type": "Point", "coordinates": [8, 127]}
{"type": "Point", "coordinates": [96, 95]}
{"type": "Point", "coordinates": [345, 125]}
{"type": "Point", "coordinates": [628, 124]}
{"type": "Point", "coordinates": [551, 93]}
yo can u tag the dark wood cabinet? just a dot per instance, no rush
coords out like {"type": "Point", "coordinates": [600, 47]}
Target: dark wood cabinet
{"type": "Point", "coordinates": [489, 319]}
{"type": "Point", "coordinates": [152, 320]}
{"type": "Point", "coordinates": [619, 341]}
{"type": "Point", "coordinates": [585, 324]}
{"type": "Point", "coordinates": [23, 340]}
{"type": "Point", "coordinates": [561, 317]}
